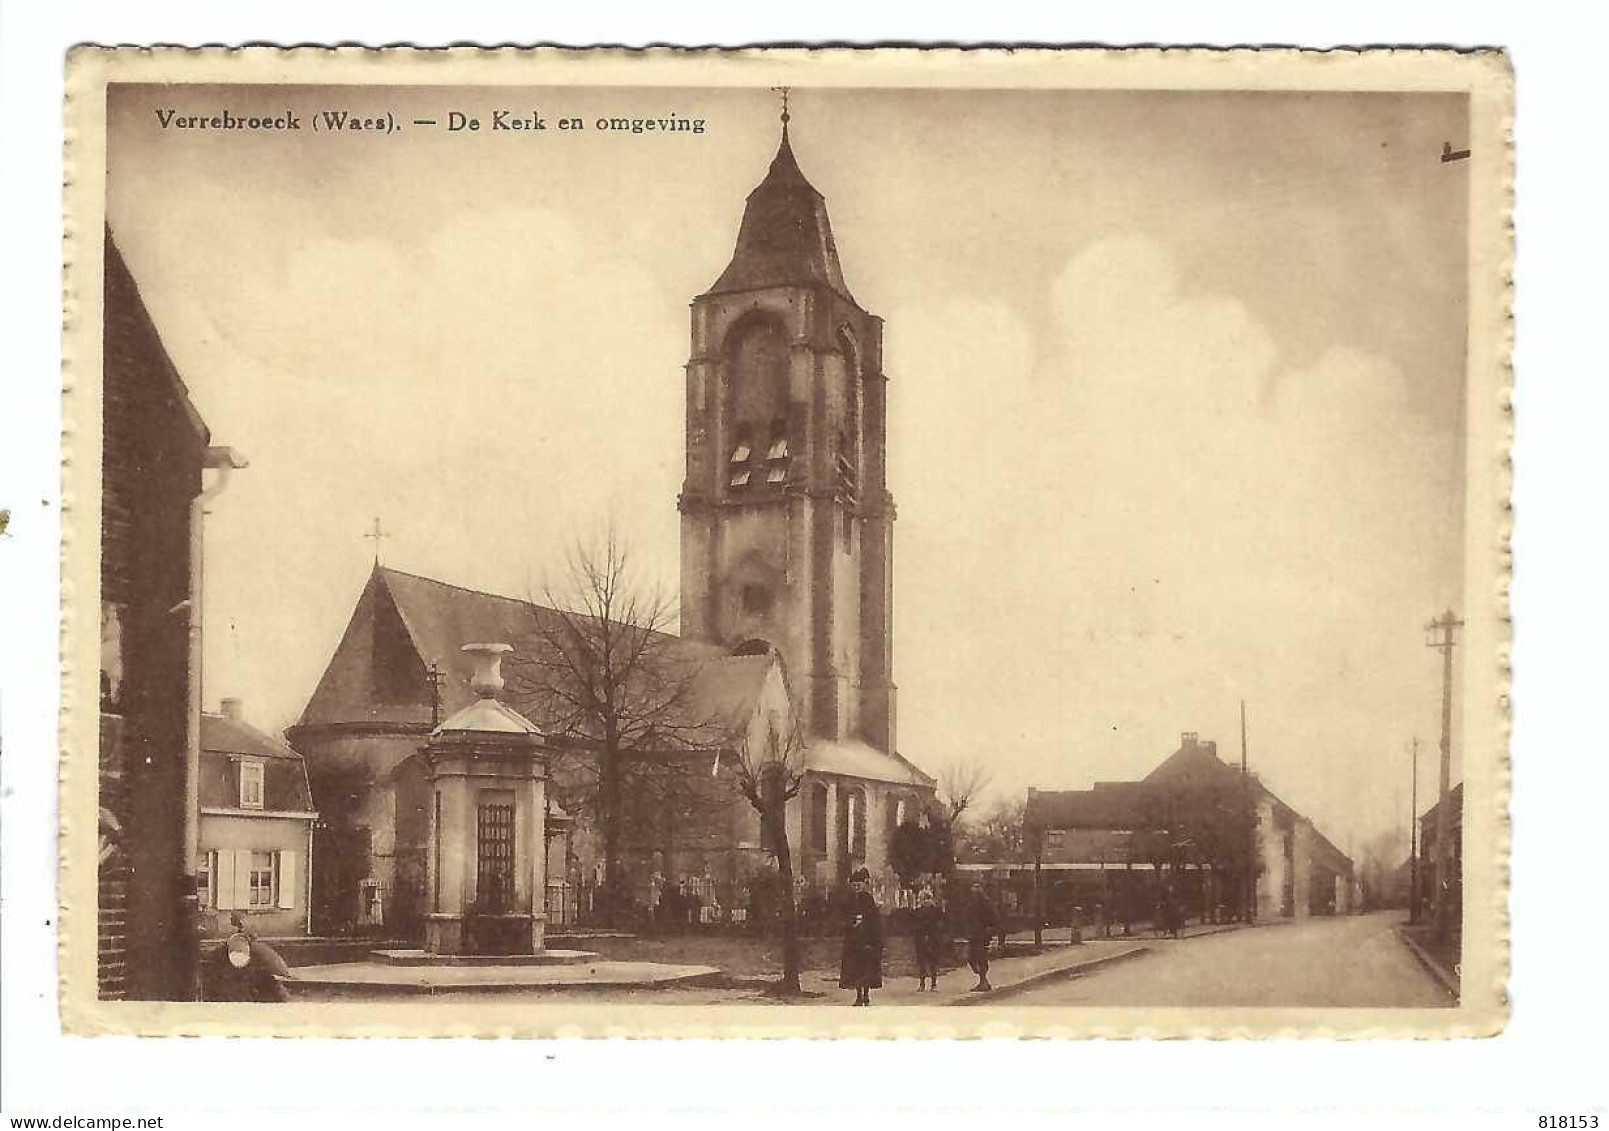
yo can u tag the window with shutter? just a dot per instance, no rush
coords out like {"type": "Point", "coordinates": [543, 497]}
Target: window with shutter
{"type": "Point", "coordinates": [260, 892]}
{"type": "Point", "coordinates": [223, 881]}
{"type": "Point", "coordinates": [242, 878]}
{"type": "Point", "coordinates": [285, 866]}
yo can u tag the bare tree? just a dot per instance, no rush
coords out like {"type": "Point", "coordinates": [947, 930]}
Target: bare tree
{"type": "Point", "coordinates": [1001, 833]}
{"type": "Point", "coordinates": [770, 772]}
{"type": "Point", "coordinates": [960, 781]}
{"type": "Point", "coordinates": [603, 671]}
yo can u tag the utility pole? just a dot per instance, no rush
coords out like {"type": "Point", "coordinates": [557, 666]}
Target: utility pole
{"type": "Point", "coordinates": [1439, 635]}
{"type": "Point", "coordinates": [1413, 834]}
{"type": "Point", "coordinates": [435, 676]}
{"type": "Point", "coordinates": [1249, 895]}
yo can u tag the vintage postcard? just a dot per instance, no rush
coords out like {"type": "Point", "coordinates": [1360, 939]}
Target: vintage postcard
{"type": "Point", "coordinates": [784, 542]}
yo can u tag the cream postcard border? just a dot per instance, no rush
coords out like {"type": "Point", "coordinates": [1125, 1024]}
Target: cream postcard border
{"type": "Point", "coordinates": [1485, 76]}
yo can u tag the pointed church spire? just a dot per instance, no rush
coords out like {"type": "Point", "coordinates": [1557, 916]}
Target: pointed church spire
{"type": "Point", "coordinates": [785, 238]}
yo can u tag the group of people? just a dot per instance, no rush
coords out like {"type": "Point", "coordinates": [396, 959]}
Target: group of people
{"type": "Point", "coordinates": [681, 905]}
{"type": "Point", "coordinates": [861, 965]}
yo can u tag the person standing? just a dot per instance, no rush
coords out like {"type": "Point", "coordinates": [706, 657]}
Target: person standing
{"type": "Point", "coordinates": [929, 938]}
{"type": "Point", "coordinates": [861, 965]}
{"type": "Point", "coordinates": [982, 920]}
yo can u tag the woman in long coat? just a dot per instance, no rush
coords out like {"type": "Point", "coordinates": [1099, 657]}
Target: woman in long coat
{"type": "Point", "coordinates": [861, 967]}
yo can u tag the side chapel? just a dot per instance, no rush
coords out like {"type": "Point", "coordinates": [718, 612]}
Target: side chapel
{"type": "Point", "coordinates": [786, 607]}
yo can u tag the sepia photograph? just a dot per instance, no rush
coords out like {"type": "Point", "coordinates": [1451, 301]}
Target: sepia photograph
{"type": "Point", "coordinates": [711, 541]}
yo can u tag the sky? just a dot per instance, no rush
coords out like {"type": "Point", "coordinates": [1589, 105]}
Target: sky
{"type": "Point", "coordinates": [1176, 389]}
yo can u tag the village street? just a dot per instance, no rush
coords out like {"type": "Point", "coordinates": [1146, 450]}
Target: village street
{"type": "Point", "coordinates": [1348, 960]}
{"type": "Point", "coordinates": [1353, 960]}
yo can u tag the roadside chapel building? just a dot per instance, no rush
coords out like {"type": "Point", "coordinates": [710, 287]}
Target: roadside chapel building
{"type": "Point", "coordinates": [1180, 833]}
{"type": "Point", "coordinates": [786, 590]}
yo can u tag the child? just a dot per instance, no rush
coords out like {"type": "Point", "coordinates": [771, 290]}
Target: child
{"type": "Point", "coordinates": [929, 924]}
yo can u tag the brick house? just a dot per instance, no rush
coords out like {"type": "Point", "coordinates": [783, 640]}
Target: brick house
{"type": "Point", "coordinates": [154, 449]}
{"type": "Point", "coordinates": [1430, 831]}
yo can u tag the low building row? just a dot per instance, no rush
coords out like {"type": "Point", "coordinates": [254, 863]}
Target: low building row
{"type": "Point", "coordinates": [1195, 837]}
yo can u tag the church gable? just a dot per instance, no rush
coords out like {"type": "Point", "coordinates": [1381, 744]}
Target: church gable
{"type": "Point", "coordinates": [404, 625]}
{"type": "Point", "coordinates": [372, 669]}
{"type": "Point", "coordinates": [1196, 762]}
{"type": "Point", "coordinates": [398, 674]}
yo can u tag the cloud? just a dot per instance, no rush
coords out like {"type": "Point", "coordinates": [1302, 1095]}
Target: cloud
{"type": "Point", "coordinates": [1138, 512]}
{"type": "Point", "coordinates": [458, 387]}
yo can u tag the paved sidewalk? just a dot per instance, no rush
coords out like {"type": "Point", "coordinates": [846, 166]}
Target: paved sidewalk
{"type": "Point", "coordinates": [369, 979]}
{"type": "Point", "coordinates": [1447, 979]}
{"type": "Point", "coordinates": [1020, 969]}
{"type": "Point", "coordinates": [1007, 974]}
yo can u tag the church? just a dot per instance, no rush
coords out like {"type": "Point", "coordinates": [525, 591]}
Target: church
{"type": "Point", "coordinates": [785, 612]}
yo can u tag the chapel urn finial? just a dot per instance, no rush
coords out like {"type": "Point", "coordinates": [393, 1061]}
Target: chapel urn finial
{"type": "Point", "coordinates": [487, 678]}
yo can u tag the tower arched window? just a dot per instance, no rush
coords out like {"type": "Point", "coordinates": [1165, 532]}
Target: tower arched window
{"type": "Point", "coordinates": [848, 449]}
{"type": "Point", "coordinates": [757, 406]}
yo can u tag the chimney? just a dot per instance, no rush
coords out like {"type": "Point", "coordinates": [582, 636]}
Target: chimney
{"type": "Point", "coordinates": [231, 709]}
{"type": "Point", "coordinates": [1188, 739]}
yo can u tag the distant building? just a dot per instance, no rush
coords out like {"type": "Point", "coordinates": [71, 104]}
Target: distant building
{"type": "Point", "coordinates": [1430, 826]}
{"type": "Point", "coordinates": [1194, 828]}
{"type": "Point", "coordinates": [256, 829]}
{"type": "Point", "coordinates": [1392, 889]}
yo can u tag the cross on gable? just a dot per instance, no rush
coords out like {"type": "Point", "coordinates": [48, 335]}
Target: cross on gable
{"type": "Point", "coordinates": [377, 533]}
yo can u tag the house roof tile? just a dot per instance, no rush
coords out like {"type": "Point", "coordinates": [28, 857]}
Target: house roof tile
{"type": "Point", "coordinates": [225, 742]}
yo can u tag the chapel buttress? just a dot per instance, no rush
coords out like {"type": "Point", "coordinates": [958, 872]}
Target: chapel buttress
{"type": "Point", "coordinates": [787, 522]}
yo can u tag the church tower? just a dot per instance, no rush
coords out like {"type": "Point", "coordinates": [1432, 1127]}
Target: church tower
{"type": "Point", "coordinates": [787, 522]}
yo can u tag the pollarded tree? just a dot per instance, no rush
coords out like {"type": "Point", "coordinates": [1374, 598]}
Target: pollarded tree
{"type": "Point", "coordinates": [961, 780]}
{"type": "Point", "coordinates": [770, 771]}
